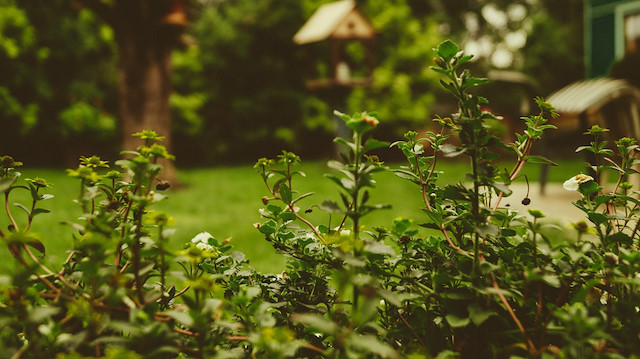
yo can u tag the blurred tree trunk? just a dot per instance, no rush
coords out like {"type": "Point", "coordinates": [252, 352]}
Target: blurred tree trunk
{"type": "Point", "coordinates": [146, 32]}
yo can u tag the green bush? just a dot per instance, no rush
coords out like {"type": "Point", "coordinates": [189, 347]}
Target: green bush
{"type": "Point", "coordinates": [491, 283]}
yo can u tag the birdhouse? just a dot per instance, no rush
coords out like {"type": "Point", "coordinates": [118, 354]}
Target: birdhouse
{"type": "Point", "coordinates": [176, 16]}
{"type": "Point", "coordinates": [342, 26]}
{"type": "Point", "coordinates": [612, 29]}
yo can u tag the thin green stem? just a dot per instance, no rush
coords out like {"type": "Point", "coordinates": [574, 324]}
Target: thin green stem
{"type": "Point", "coordinates": [6, 207]}
{"type": "Point", "coordinates": [356, 178]}
{"type": "Point", "coordinates": [475, 208]}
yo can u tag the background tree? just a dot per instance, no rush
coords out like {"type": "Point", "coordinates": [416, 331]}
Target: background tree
{"type": "Point", "coordinates": [235, 88]}
{"type": "Point", "coordinates": [57, 83]}
{"type": "Point", "coordinates": [146, 32]}
{"type": "Point", "coordinates": [241, 85]}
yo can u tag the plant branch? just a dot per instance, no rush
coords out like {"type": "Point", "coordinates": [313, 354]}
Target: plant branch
{"type": "Point", "coordinates": [6, 207]}
{"type": "Point", "coordinates": [515, 319]}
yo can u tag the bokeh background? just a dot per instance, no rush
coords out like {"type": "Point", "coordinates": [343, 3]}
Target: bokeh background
{"type": "Point", "coordinates": [237, 80]}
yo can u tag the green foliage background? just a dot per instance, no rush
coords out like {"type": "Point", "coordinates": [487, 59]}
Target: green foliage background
{"type": "Point", "coordinates": [238, 80]}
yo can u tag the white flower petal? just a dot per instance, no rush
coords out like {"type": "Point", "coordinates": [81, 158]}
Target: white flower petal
{"type": "Point", "coordinates": [202, 237]}
{"type": "Point", "coordinates": [571, 184]}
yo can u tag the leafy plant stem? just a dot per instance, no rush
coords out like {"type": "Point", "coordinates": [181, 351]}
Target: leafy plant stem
{"type": "Point", "coordinates": [423, 183]}
{"type": "Point", "coordinates": [411, 329]}
{"type": "Point", "coordinates": [355, 215]}
{"type": "Point", "coordinates": [30, 219]}
{"type": "Point", "coordinates": [475, 209]}
{"type": "Point", "coordinates": [135, 255]}
{"type": "Point", "coordinates": [41, 278]}
{"type": "Point", "coordinates": [162, 259]}
{"type": "Point", "coordinates": [445, 232]}
{"type": "Point", "coordinates": [503, 299]}
{"type": "Point", "coordinates": [309, 224]}
{"type": "Point", "coordinates": [6, 207]}
{"type": "Point", "coordinates": [558, 302]}
{"type": "Point", "coordinates": [356, 190]}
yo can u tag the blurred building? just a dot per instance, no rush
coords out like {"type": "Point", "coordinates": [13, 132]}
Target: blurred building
{"type": "Point", "coordinates": [612, 30]}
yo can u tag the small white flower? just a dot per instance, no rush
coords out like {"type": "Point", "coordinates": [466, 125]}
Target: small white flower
{"type": "Point", "coordinates": [573, 183]}
{"type": "Point", "coordinates": [342, 232]}
{"type": "Point", "coordinates": [204, 247]}
{"type": "Point", "coordinates": [202, 238]}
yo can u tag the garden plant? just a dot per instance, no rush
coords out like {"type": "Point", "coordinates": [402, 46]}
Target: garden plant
{"type": "Point", "coordinates": [485, 282]}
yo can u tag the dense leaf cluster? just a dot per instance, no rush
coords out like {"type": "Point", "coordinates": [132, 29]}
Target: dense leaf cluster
{"type": "Point", "coordinates": [486, 281]}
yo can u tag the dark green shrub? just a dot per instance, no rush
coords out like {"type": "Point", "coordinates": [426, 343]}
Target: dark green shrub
{"type": "Point", "coordinates": [490, 283]}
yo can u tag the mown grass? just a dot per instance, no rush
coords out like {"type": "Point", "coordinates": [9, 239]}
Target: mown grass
{"type": "Point", "coordinates": [224, 201]}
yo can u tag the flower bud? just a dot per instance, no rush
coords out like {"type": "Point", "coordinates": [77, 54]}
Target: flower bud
{"type": "Point", "coordinates": [163, 185]}
{"type": "Point", "coordinates": [611, 258]}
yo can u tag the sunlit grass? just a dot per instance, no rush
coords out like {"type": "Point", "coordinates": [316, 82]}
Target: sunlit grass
{"type": "Point", "coordinates": [224, 201]}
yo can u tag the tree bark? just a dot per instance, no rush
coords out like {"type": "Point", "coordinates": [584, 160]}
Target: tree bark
{"type": "Point", "coordinates": [144, 86]}
{"type": "Point", "coordinates": [144, 43]}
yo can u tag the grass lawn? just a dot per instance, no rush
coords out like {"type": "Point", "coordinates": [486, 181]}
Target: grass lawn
{"type": "Point", "coordinates": [224, 201]}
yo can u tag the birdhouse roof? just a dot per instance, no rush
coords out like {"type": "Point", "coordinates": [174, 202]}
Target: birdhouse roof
{"type": "Point", "coordinates": [338, 19]}
{"type": "Point", "coordinates": [591, 95]}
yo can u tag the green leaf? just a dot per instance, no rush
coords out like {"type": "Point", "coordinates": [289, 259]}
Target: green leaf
{"type": "Point", "coordinates": [465, 59]}
{"type": "Point", "coordinates": [395, 298]}
{"type": "Point", "coordinates": [456, 321]}
{"type": "Point", "coordinates": [600, 199]}
{"type": "Point", "coordinates": [472, 81]}
{"type": "Point", "coordinates": [540, 160]}
{"type": "Point", "coordinates": [38, 211]}
{"type": "Point", "coordinates": [435, 217]}
{"type": "Point", "coordinates": [181, 317]}
{"type": "Point", "coordinates": [371, 344]}
{"type": "Point", "coordinates": [343, 116]}
{"type": "Point", "coordinates": [285, 193]}
{"type": "Point", "coordinates": [302, 196]}
{"type": "Point", "coordinates": [488, 230]}
{"type": "Point", "coordinates": [447, 49]}
{"type": "Point", "coordinates": [23, 207]}
{"type": "Point", "coordinates": [450, 150]}
{"type": "Point", "coordinates": [336, 165]}
{"type": "Point", "coordinates": [38, 314]}
{"type": "Point", "coordinates": [536, 213]}
{"type": "Point", "coordinates": [449, 86]}
{"type": "Point", "coordinates": [587, 188]}
{"type": "Point", "coordinates": [268, 227]}
{"type": "Point", "coordinates": [501, 187]}
{"type": "Point", "coordinates": [253, 292]}
{"type": "Point", "coordinates": [507, 232]}
{"type": "Point", "coordinates": [373, 144]}
{"type": "Point", "coordinates": [5, 183]}
{"type": "Point", "coordinates": [597, 218]}
{"type": "Point", "coordinates": [439, 70]}
{"type": "Point", "coordinates": [479, 315]}
{"type": "Point", "coordinates": [552, 280]}
{"type": "Point", "coordinates": [620, 237]}
{"type": "Point", "coordinates": [287, 216]}
{"type": "Point", "coordinates": [330, 207]}
{"type": "Point", "coordinates": [407, 175]}
{"type": "Point", "coordinates": [26, 238]}
{"type": "Point", "coordinates": [317, 322]}
{"type": "Point", "coordinates": [379, 248]}
{"type": "Point", "coordinates": [274, 209]}
{"type": "Point", "coordinates": [342, 141]}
